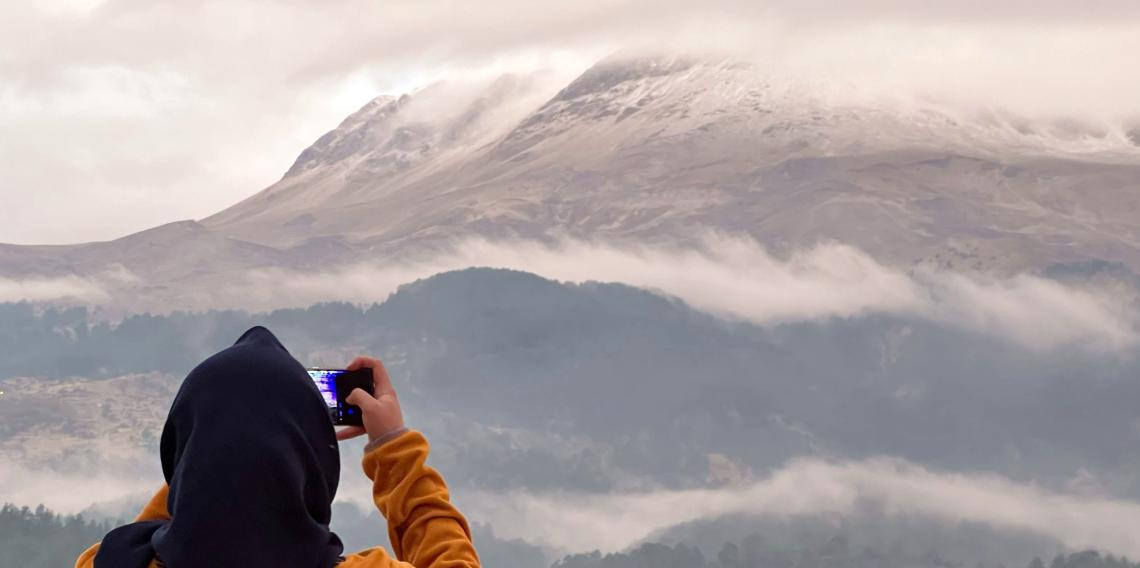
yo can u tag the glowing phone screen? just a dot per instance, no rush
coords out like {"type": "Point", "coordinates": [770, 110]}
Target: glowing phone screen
{"type": "Point", "coordinates": [325, 380]}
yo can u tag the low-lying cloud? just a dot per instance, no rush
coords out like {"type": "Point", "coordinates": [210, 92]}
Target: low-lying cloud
{"type": "Point", "coordinates": [64, 289]}
{"type": "Point", "coordinates": [574, 522]}
{"type": "Point", "coordinates": [738, 278]}
{"type": "Point", "coordinates": [91, 289]}
{"type": "Point", "coordinates": [68, 492]}
{"type": "Point", "coordinates": [580, 522]}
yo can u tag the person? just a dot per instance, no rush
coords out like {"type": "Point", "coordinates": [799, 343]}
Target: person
{"type": "Point", "coordinates": [252, 463]}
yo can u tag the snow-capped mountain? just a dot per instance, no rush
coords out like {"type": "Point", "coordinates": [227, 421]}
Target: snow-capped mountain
{"type": "Point", "coordinates": [653, 150]}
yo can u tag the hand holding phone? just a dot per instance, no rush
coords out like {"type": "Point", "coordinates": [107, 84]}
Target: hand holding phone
{"type": "Point", "coordinates": [380, 408]}
{"type": "Point", "coordinates": [335, 386]}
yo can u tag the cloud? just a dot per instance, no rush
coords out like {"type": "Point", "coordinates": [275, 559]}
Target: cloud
{"type": "Point", "coordinates": [106, 108]}
{"type": "Point", "coordinates": [70, 289]}
{"type": "Point", "coordinates": [572, 522]}
{"type": "Point", "coordinates": [581, 522]}
{"type": "Point", "coordinates": [738, 278]}
{"type": "Point", "coordinates": [68, 492]}
{"type": "Point", "coordinates": [65, 289]}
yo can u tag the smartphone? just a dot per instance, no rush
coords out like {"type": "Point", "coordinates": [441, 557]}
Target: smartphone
{"type": "Point", "coordinates": [335, 385]}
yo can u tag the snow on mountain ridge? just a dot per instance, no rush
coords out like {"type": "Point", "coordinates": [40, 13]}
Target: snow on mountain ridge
{"type": "Point", "coordinates": [691, 93]}
{"type": "Point", "coordinates": [658, 151]}
{"type": "Point", "coordinates": [389, 139]}
{"type": "Point", "coordinates": [349, 136]}
{"type": "Point", "coordinates": [653, 148]}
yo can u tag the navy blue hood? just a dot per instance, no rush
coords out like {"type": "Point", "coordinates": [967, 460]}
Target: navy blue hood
{"type": "Point", "coordinates": [251, 458]}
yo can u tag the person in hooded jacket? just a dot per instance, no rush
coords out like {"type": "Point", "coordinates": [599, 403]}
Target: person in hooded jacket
{"type": "Point", "coordinates": [252, 463]}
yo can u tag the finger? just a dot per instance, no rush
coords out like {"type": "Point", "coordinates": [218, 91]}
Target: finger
{"type": "Point", "coordinates": [358, 397]}
{"type": "Point", "coordinates": [349, 433]}
{"type": "Point", "coordinates": [381, 381]}
{"type": "Point", "coordinates": [362, 363]}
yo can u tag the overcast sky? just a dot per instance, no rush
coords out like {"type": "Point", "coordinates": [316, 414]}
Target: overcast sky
{"type": "Point", "coordinates": [119, 115]}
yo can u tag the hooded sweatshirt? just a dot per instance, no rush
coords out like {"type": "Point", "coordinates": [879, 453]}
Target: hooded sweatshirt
{"type": "Point", "coordinates": [252, 465]}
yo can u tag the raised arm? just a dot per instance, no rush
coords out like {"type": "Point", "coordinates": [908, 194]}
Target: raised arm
{"type": "Point", "coordinates": [425, 529]}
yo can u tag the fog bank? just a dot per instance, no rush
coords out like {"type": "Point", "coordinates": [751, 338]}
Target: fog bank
{"type": "Point", "coordinates": [582, 522]}
{"type": "Point", "coordinates": [739, 278]}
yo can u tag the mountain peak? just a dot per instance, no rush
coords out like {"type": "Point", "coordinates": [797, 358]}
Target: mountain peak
{"type": "Point", "coordinates": [350, 136]}
{"type": "Point", "coordinates": [660, 148]}
{"type": "Point", "coordinates": [616, 69]}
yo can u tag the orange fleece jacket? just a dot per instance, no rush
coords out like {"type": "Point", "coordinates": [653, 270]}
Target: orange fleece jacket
{"type": "Point", "coordinates": [425, 529]}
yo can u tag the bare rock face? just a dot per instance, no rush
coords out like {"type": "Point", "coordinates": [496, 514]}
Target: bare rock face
{"type": "Point", "coordinates": [85, 423]}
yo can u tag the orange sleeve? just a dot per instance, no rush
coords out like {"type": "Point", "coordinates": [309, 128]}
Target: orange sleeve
{"type": "Point", "coordinates": [154, 510]}
{"type": "Point", "coordinates": [425, 529]}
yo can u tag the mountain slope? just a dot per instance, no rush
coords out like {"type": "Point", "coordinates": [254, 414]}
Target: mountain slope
{"type": "Point", "coordinates": [646, 151]}
{"type": "Point", "coordinates": [651, 149]}
{"type": "Point", "coordinates": [523, 382]}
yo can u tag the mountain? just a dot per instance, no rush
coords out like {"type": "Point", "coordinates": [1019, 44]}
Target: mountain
{"type": "Point", "coordinates": [649, 150]}
{"type": "Point", "coordinates": [553, 394]}
{"type": "Point", "coordinates": [538, 394]}
{"type": "Point", "coordinates": [527, 383]}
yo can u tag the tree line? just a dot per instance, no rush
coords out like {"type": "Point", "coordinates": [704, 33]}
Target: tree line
{"type": "Point", "coordinates": [35, 538]}
{"type": "Point", "coordinates": [40, 538]}
{"type": "Point", "coordinates": [755, 552]}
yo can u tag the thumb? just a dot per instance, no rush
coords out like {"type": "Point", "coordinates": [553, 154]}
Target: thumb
{"type": "Point", "coordinates": [358, 397]}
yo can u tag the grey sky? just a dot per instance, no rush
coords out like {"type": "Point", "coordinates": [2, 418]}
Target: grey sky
{"type": "Point", "coordinates": [119, 115]}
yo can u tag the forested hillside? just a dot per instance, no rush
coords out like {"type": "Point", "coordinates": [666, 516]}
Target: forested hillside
{"type": "Point", "coordinates": [611, 363]}
{"type": "Point", "coordinates": [549, 395]}
{"type": "Point", "coordinates": [39, 538]}
{"type": "Point", "coordinates": [755, 553]}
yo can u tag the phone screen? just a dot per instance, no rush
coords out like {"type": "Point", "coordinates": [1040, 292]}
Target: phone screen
{"type": "Point", "coordinates": [335, 385]}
